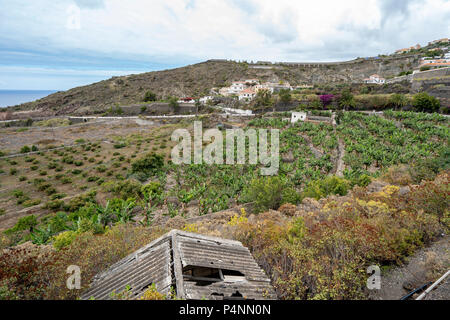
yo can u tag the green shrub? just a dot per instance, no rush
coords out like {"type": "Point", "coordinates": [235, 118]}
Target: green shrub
{"type": "Point", "coordinates": [68, 159]}
{"type": "Point", "coordinates": [101, 168]}
{"type": "Point", "coordinates": [149, 96]}
{"type": "Point", "coordinates": [31, 203]}
{"type": "Point", "coordinates": [362, 180]}
{"type": "Point", "coordinates": [13, 171]}
{"type": "Point", "coordinates": [25, 149]}
{"type": "Point", "coordinates": [398, 100]}
{"type": "Point", "coordinates": [64, 239]}
{"type": "Point", "coordinates": [322, 188]}
{"type": "Point", "coordinates": [66, 180]}
{"type": "Point", "coordinates": [152, 188]}
{"type": "Point", "coordinates": [149, 164]}
{"type": "Point", "coordinates": [18, 193]}
{"type": "Point", "coordinates": [58, 196]}
{"type": "Point", "coordinates": [423, 102]}
{"type": "Point", "coordinates": [80, 201]}
{"type": "Point", "coordinates": [120, 145]}
{"type": "Point", "coordinates": [26, 223]}
{"type": "Point", "coordinates": [54, 205]}
{"type": "Point", "coordinates": [127, 189]}
{"type": "Point", "coordinates": [268, 193]}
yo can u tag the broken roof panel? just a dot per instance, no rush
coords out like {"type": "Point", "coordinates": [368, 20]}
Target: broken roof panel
{"type": "Point", "coordinates": [197, 266]}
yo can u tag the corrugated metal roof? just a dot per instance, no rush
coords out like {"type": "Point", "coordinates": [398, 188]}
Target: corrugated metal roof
{"type": "Point", "coordinates": [175, 258]}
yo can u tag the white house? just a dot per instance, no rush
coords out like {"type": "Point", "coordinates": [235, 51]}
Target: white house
{"type": "Point", "coordinates": [298, 116]}
{"type": "Point", "coordinates": [247, 94]}
{"type": "Point", "coordinates": [237, 87]}
{"type": "Point", "coordinates": [375, 79]}
{"type": "Point", "coordinates": [186, 100]}
{"type": "Point", "coordinates": [204, 100]}
{"type": "Point", "coordinates": [435, 63]}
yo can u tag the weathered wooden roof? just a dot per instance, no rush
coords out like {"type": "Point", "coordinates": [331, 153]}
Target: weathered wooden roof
{"type": "Point", "coordinates": [197, 266]}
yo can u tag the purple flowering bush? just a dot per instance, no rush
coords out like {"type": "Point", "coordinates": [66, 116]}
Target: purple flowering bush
{"type": "Point", "coordinates": [326, 99]}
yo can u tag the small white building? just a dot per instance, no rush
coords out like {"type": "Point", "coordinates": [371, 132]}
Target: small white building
{"type": "Point", "coordinates": [186, 100]}
{"type": "Point", "coordinates": [298, 116]}
{"type": "Point", "coordinates": [204, 100]}
{"type": "Point", "coordinates": [375, 79]}
{"type": "Point", "coordinates": [247, 94]}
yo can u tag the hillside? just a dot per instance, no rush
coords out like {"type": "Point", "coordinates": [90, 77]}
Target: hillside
{"type": "Point", "coordinates": [198, 79]}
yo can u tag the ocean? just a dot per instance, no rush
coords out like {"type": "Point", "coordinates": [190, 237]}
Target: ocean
{"type": "Point", "coordinates": [14, 97]}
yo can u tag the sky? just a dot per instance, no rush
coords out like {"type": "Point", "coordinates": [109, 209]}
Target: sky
{"type": "Point", "coordinates": [57, 45]}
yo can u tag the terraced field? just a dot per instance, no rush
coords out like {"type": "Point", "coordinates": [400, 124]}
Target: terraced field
{"type": "Point", "coordinates": [102, 168]}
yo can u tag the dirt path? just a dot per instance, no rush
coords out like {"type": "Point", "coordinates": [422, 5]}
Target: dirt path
{"type": "Point", "coordinates": [427, 264]}
{"type": "Point", "coordinates": [340, 159]}
{"type": "Point", "coordinates": [339, 163]}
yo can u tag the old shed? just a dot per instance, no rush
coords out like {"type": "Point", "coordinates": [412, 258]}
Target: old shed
{"type": "Point", "coordinates": [196, 266]}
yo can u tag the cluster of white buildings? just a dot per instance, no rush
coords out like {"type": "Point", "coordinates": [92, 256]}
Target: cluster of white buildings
{"type": "Point", "coordinates": [247, 89]}
{"type": "Point", "coordinates": [435, 63]}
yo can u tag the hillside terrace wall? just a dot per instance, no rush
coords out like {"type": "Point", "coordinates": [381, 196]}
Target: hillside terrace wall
{"type": "Point", "coordinates": [435, 74]}
{"type": "Point", "coordinates": [316, 64]}
{"type": "Point", "coordinates": [158, 108]}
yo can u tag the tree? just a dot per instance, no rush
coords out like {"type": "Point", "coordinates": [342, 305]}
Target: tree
{"type": "Point", "coordinates": [425, 103]}
{"type": "Point", "coordinates": [264, 98]}
{"type": "Point", "coordinates": [346, 100]}
{"type": "Point", "coordinates": [149, 96]}
{"type": "Point", "coordinates": [285, 96]}
{"type": "Point", "coordinates": [173, 102]}
{"type": "Point", "coordinates": [398, 100]}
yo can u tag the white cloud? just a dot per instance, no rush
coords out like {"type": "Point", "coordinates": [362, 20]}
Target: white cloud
{"type": "Point", "coordinates": [253, 29]}
{"type": "Point", "coordinates": [169, 32]}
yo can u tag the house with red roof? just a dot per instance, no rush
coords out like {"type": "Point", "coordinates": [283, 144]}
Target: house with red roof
{"type": "Point", "coordinates": [247, 94]}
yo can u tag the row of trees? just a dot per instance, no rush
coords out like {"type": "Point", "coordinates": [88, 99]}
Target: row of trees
{"type": "Point", "coordinates": [422, 102]}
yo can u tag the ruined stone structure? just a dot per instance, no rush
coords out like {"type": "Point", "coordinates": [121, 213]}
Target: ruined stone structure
{"type": "Point", "coordinates": [197, 266]}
